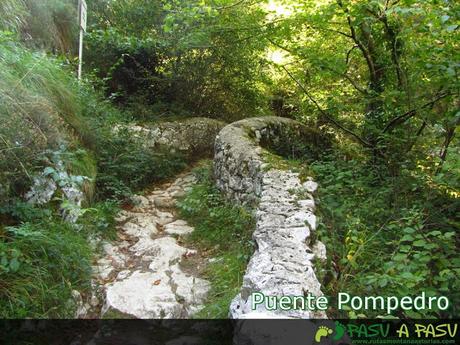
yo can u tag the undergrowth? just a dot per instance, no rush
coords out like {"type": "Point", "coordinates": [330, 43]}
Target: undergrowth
{"type": "Point", "coordinates": [387, 235]}
{"type": "Point", "coordinates": [43, 258]}
{"type": "Point", "coordinates": [126, 166]}
{"type": "Point", "coordinates": [223, 231]}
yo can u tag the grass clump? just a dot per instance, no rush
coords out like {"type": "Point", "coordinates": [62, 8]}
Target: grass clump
{"type": "Point", "coordinates": [40, 265]}
{"type": "Point", "coordinates": [39, 112]}
{"type": "Point", "coordinates": [43, 258]}
{"type": "Point", "coordinates": [224, 232]}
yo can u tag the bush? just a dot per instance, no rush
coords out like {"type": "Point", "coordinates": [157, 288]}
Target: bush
{"type": "Point", "coordinates": [387, 235]}
{"type": "Point", "coordinates": [126, 165]}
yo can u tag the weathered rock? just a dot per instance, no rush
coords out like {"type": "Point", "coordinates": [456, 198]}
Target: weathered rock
{"type": "Point", "coordinates": [141, 227]}
{"type": "Point", "coordinates": [178, 193]}
{"type": "Point", "coordinates": [164, 202]}
{"type": "Point", "coordinates": [123, 216]}
{"type": "Point", "coordinates": [310, 186]}
{"type": "Point", "coordinates": [165, 220]}
{"type": "Point", "coordinates": [144, 295]}
{"type": "Point", "coordinates": [191, 290]}
{"type": "Point", "coordinates": [192, 135]}
{"type": "Point", "coordinates": [319, 249]}
{"type": "Point", "coordinates": [104, 268]}
{"type": "Point", "coordinates": [78, 301]}
{"type": "Point", "coordinates": [94, 302]}
{"type": "Point", "coordinates": [166, 252]}
{"type": "Point", "coordinates": [178, 227]}
{"type": "Point", "coordinates": [140, 201]}
{"type": "Point", "coordinates": [123, 274]}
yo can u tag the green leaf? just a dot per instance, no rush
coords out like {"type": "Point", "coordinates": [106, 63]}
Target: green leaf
{"type": "Point", "coordinates": [14, 265]}
{"type": "Point", "coordinates": [407, 238]}
{"type": "Point", "coordinates": [419, 243]}
{"type": "Point", "coordinates": [400, 257]}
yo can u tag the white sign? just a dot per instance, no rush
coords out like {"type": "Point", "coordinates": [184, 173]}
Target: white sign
{"type": "Point", "coordinates": [83, 12]}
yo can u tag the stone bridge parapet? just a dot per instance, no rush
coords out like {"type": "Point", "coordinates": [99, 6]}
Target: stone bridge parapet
{"type": "Point", "coordinates": [282, 264]}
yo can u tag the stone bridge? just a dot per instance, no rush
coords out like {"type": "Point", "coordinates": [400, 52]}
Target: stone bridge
{"type": "Point", "coordinates": [248, 172]}
{"type": "Point", "coordinates": [282, 264]}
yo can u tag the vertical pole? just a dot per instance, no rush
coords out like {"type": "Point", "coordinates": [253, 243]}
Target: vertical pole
{"type": "Point", "coordinates": [80, 54]}
{"type": "Point", "coordinates": [82, 10]}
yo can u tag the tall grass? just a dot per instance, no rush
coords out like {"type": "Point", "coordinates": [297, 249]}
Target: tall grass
{"type": "Point", "coordinates": [46, 24]}
{"type": "Point", "coordinates": [39, 111]}
{"type": "Point", "coordinates": [40, 265]}
{"type": "Point", "coordinates": [12, 14]}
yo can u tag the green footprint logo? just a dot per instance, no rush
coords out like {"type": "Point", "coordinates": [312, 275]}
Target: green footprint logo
{"type": "Point", "coordinates": [339, 331]}
{"type": "Point", "coordinates": [323, 331]}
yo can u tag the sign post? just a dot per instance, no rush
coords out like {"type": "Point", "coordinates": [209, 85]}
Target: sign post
{"type": "Point", "coordinates": [82, 11]}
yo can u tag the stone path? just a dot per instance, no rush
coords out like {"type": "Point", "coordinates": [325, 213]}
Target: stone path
{"type": "Point", "coordinates": [147, 273]}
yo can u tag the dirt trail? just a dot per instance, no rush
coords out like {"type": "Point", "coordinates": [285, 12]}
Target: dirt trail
{"type": "Point", "coordinates": [147, 272]}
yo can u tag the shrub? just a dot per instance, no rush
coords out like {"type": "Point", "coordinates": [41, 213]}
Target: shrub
{"type": "Point", "coordinates": [126, 165]}
{"type": "Point", "coordinates": [387, 235]}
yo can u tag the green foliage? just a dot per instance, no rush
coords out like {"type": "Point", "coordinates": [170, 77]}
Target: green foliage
{"type": "Point", "coordinates": [386, 235]}
{"type": "Point", "coordinates": [99, 220]}
{"type": "Point", "coordinates": [42, 258]}
{"type": "Point", "coordinates": [126, 165]}
{"type": "Point", "coordinates": [224, 231]}
{"type": "Point", "coordinates": [39, 267]}
{"type": "Point", "coordinates": [177, 58]}
{"type": "Point", "coordinates": [382, 73]}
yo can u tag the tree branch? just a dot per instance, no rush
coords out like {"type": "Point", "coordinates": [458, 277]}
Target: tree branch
{"type": "Point", "coordinates": [360, 45]}
{"type": "Point", "coordinates": [331, 30]}
{"type": "Point", "coordinates": [347, 59]}
{"type": "Point", "coordinates": [347, 77]}
{"type": "Point", "coordinates": [407, 115]}
{"type": "Point", "coordinates": [344, 75]}
{"type": "Point", "coordinates": [281, 46]}
{"type": "Point", "coordinates": [324, 113]}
